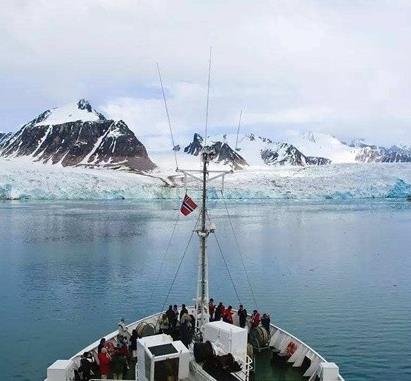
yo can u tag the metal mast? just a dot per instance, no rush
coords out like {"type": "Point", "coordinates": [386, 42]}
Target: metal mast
{"type": "Point", "coordinates": [202, 298]}
{"type": "Point", "coordinates": [202, 313]}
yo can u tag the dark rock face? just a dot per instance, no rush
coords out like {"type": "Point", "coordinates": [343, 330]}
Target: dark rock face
{"type": "Point", "coordinates": [4, 136]}
{"type": "Point", "coordinates": [316, 160]}
{"type": "Point", "coordinates": [370, 153]}
{"type": "Point", "coordinates": [195, 147]}
{"type": "Point", "coordinates": [287, 154]}
{"type": "Point", "coordinates": [223, 152]}
{"type": "Point", "coordinates": [82, 104]}
{"type": "Point", "coordinates": [101, 142]}
{"type": "Point", "coordinates": [120, 146]}
{"type": "Point", "coordinates": [374, 154]}
{"type": "Point", "coordinates": [226, 155]}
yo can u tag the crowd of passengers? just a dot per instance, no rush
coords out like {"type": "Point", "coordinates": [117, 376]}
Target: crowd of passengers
{"type": "Point", "coordinates": [115, 359]}
{"type": "Point", "coordinates": [220, 312]}
{"type": "Point", "coordinates": [173, 319]}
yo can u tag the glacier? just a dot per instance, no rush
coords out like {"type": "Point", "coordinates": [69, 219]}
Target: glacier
{"type": "Point", "coordinates": [22, 179]}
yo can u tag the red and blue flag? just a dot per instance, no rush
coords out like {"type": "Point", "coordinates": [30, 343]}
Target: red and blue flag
{"type": "Point", "coordinates": [187, 206]}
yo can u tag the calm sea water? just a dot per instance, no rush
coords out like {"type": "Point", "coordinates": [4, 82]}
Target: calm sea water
{"type": "Point", "coordinates": [336, 275]}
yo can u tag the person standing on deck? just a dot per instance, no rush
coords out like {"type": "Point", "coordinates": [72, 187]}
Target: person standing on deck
{"type": "Point", "coordinates": [133, 343]}
{"type": "Point", "coordinates": [104, 359]}
{"type": "Point", "coordinates": [242, 316]}
{"type": "Point", "coordinates": [123, 331]}
{"type": "Point", "coordinates": [219, 311]}
{"type": "Point", "coordinates": [185, 327]}
{"type": "Point", "coordinates": [118, 363]}
{"type": "Point", "coordinates": [211, 309]}
{"type": "Point", "coordinates": [86, 366]}
{"type": "Point", "coordinates": [265, 322]}
{"type": "Point", "coordinates": [228, 315]}
{"type": "Point", "coordinates": [171, 315]}
{"type": "Point", "coordinates": [183, 311]}
{"type": "Point", "coordinates": [255, 319]}
{"type": "Point", "coordinates": [175, 309]}
{"type": "Point", "coordinates": [101, 345]}
{"type": "Point", "coordinates": [164, 324]}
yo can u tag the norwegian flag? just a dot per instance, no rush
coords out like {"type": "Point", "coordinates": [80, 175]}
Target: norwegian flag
{"type": "Point", "coordinates": [187, 206]}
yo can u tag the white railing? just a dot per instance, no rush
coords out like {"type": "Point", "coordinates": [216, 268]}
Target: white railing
{"type": "Point", "coordinates": [244, 374]}
{"type": "Point", "coordinates": [310, 353]}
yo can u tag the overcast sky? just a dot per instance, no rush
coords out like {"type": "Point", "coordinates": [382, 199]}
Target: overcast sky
{"type": "Point", "coordinates": [341, 67]}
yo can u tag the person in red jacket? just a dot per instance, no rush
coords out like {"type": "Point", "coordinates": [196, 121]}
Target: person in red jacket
{"type": "Point", "coordinates": [222, 310]}
{"type": "Point", "coordinates": [228, 315]}
{"type": "Point", "coordinates": [255, 319]}
{"type": "Point", "coordinates": [104, 359]}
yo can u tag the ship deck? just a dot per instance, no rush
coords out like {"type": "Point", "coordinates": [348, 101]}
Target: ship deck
{"type": "Point", "coordinates": [265, 370]}
{"type": "Point", "coordinates": [269, 363]}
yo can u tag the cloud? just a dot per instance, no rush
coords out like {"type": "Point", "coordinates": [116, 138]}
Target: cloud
{"type": "Point", "coordinates": [340, 67]}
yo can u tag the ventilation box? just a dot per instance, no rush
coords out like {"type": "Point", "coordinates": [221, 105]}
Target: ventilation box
{"type": "Point", "coordinates": [161, 358]}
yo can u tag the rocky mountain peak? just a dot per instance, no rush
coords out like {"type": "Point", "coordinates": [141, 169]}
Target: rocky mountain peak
{"type": "Point", "coordinates": [223, 152]}
{"type": "Point", "coordinates": [309, 135]}
{"type": "Point", "coordinates": [78, 135]}
{"type": "Point", "coordinates": [84, 104]}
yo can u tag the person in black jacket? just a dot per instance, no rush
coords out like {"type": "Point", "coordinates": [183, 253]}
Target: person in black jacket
{"type": "Point", "coordinates": [171, 316]}
{"type": "Point", "coordinates": [87, 364]}
{"type": "Point", "coordinates": [242, 316]}
{"type": "Point", "coordinates": [133, 343]}
{"type": "Point", "coordinates": [183, 311]}
{"type": "Point", "coordinates": [218, 311]}
{"type": "Point", "coordinates": [265, 322]}
{"type": "Point", "coordinates": [101, 345]}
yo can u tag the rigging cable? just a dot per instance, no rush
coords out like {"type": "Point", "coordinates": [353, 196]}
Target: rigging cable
{"type": "Point", "coordinates": [208, 97]}
{"type": "Point", "coordinates": [228, 271]}
{"type": "Point", "coordinates": [165, 254]}
{"type": "Point", "coordinates": [180, 263]}
{"type": "Point", "coordinates": [225, 262]}
{"type": "Point", "coordinates": [238, 131]}
{"type": "Point", "coordinates": [239, 251]}
{"type": "Point", "coordinates": [168, 115]}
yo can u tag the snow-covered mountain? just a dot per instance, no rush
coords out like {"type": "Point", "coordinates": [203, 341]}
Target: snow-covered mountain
{"type": "Point", "coordinates": [327, 146]}
{"type": "Point", "coordinates": [323, 145]}
{"type": "Point", "coordinates": [4, 136]}
{"type": "Point", "coordinates": [297, 149]}
{"type": "Point", "coordinates": [252, 150]}
{"type": "Point", "coordinates": [287, 154]}
{"type": "Point", "coordinates": [375, 154]}
{"type": "Point", "coordinates": [77, 135]}
{"type": "Point", "coordinates": [224, 154]}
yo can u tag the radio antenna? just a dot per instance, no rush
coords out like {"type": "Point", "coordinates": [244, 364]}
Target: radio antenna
{"type": "Point", "coordinates": [238, 130]}
{"type": "Point", "coordinates": [168, 114]}
{"type": "Point", "coordinates": [208, 97]}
